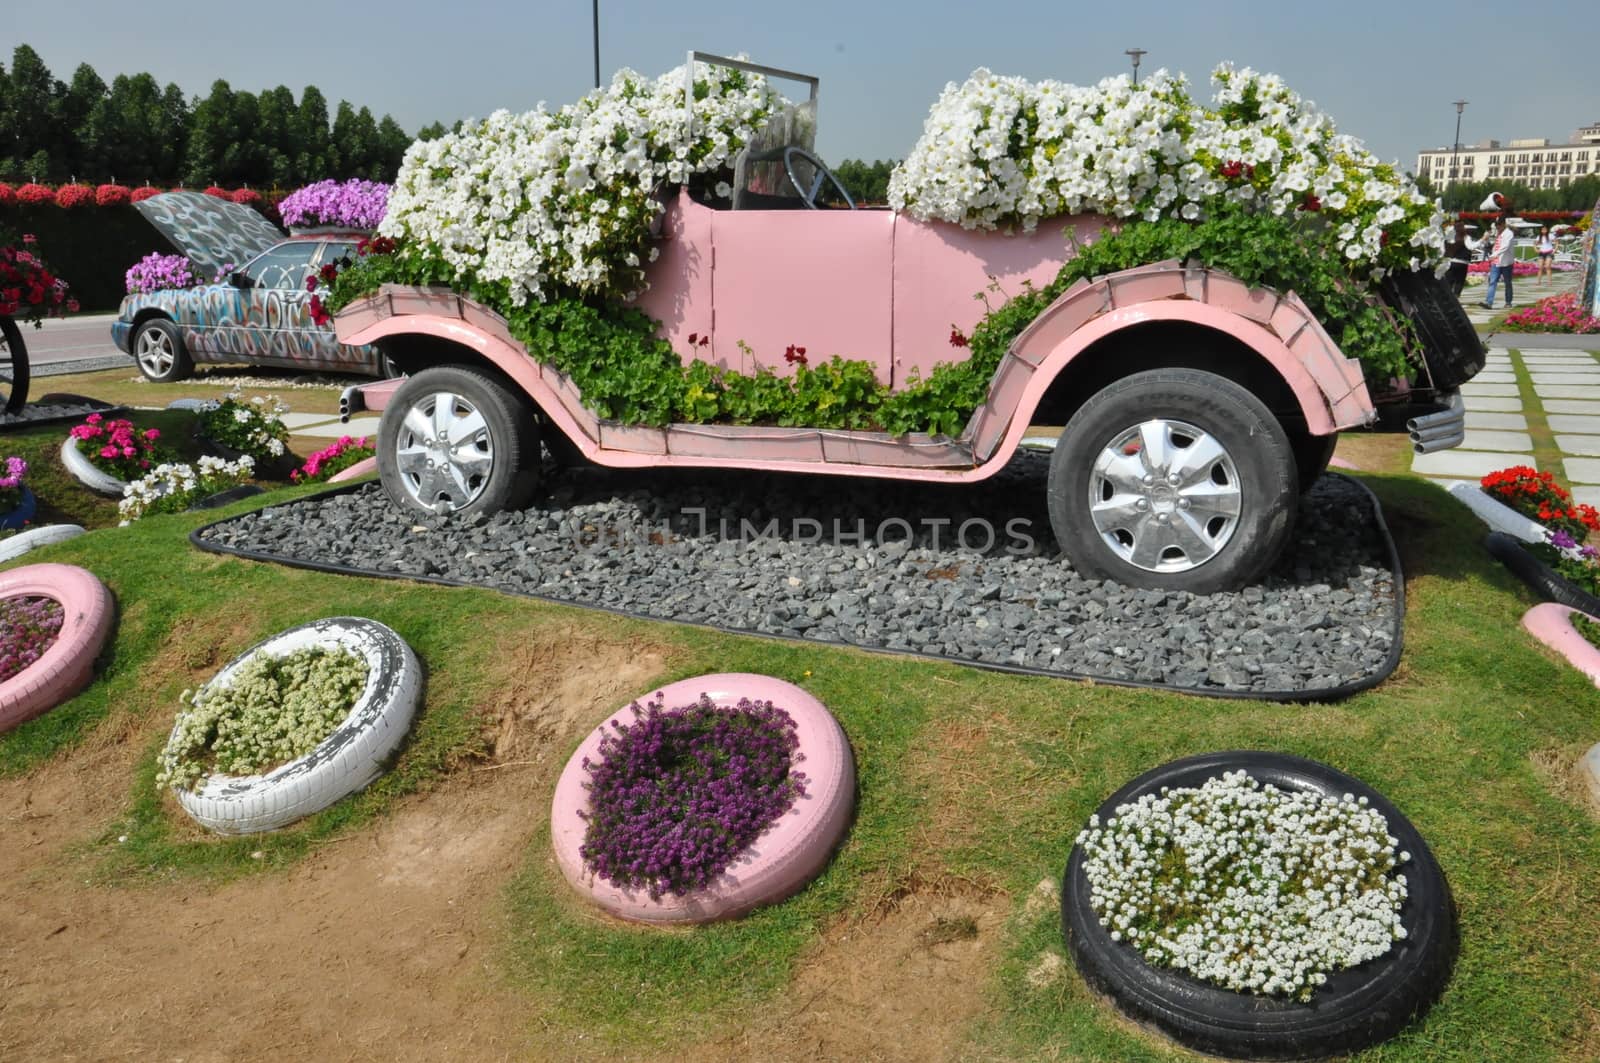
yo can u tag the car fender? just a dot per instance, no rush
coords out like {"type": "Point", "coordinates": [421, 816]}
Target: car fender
{"type": "Point", "coordinates": [1329, 387]}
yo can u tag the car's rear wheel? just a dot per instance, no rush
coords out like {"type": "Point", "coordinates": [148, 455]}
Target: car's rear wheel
{"type": "Point", "coordinates": [159, 349]}
{"type": "Point", "coordinates": [453, 440]}
{"type": "Point", "coordinates": [1173, 479]}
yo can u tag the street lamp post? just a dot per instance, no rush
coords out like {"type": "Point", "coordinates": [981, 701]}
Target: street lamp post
{"type": "Point", "coordinates": [1455, 151]}
{"type": "Point", "coordinates": [1135, 54]}
{"type": "Point", "coordinates": [596, 43]}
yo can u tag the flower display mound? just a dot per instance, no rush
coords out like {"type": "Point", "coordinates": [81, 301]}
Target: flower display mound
{"type": "Point", "coordinates": [352, 204]}
{"type": "Point", "coordinates": [1557, 313]}
{"type": "Point", "coordinates": [1537, 496]}
{"type": "Point", "coordinates": [253, 429]}
{"type": "Point", "coordinates": [717, 795]}
{"type": "Point", "coordinates": [1258, 905]}
{"type": "Point", "coordinates": [346, 452]}
{"type": "Point", "coordinates": [292, 725]}
{"type": "Point", "coordinates": [545, 218]}
{"type": "Point", "coordinates": [54, 621]}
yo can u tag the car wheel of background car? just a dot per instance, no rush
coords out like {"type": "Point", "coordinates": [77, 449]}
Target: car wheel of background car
{"type": "Point", "coordinates": [1311, 456]}
{"type": "Point", "coordinates": [453, 440]}
{"type": "Point", "coordinates": [160, 352]}
{"type": "Point", "coordinates": [1173, 479]}
{"type": "Point", "coordinates": [1455, 352]}
{"type": "Point", "coordinates": [101, 483]}
{"type": "Point", "coordinates": [13, 367]}
{"type": "Point", "coordinates": [68, 664]}
{"type": "Point", "coordinates": [1357, 1007]}
{"type": "Point", "coordinates": [347, 760]}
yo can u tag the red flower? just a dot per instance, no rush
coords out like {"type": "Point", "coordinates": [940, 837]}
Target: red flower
{"type": "Point", "coordinates": [246, 196]}
{"type": "Point", "coordinates": [1232, 169]}
{"type": "Point", "coordinates": [957, 339]}
{"type": "Point", "coordinates": [218, 192]}
{"type": "Point", "coordinates": [1311, 203]}
{"type": "Point", "coordinates": [110, 196]}
{"type": "Point", "coordinates": [795, 355]}
{"type": "Point", "coordinates": [70, 196]}
{"type": "Point", "coordinates": [8, 195]}
{"type": "Point", "coordinates": [311, 283]}
{"type": "Point", "coordinates": [319, 313]}
{"type": "Point", "coordinates": [141, 194]}
{"type": "Point", "coordinates": [330, 273]}
{"type": "Point", "coordinates": [32, 194]}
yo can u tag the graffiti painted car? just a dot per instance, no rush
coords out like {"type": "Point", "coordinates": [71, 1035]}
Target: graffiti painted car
{"type": "Point", "coordinates": [258, 313]}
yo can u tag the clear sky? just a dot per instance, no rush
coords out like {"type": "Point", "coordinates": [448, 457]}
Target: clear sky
{"type": "Point", "coordinates": [1387, 72]}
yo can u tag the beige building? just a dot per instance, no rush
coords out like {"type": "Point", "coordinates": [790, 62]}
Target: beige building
{"type": "Point", "coordinates": [1535, 162]}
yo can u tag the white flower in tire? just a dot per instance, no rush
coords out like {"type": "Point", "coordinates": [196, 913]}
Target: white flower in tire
{"type": "Point", "coordinates": [350, 758]}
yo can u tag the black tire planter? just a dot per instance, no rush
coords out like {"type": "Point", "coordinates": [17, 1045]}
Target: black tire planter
{"type": "Point", "coordinates": [1455, 351]}
{"type": "Point", "coordinates": [1551, 585]}
{"type": "Point", "coordinates": [1356, 1008]}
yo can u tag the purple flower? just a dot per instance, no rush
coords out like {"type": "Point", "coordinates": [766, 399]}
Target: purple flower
{"type": "Point", "coordinates": [1562, 541]}
{"type": "Point", "coordinates": [28, 627]}
{"type": "Point", "coordinates": [354, 204]}
{"type": "Point", "coordinates": [155, 272]}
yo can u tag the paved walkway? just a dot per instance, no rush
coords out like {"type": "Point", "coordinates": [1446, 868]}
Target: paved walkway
{"type": "Point", "coordinates": [1529, 290]}
{"type": "Point", "coordinates": [1563, 404]}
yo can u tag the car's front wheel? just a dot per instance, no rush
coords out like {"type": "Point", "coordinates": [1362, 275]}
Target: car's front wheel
{"type": "Point", "coordinates": [159, 349]}
{"type": "Point", "coordinates": [1173, 479]}
{"type": "Point", "coordinates": [453, 440]}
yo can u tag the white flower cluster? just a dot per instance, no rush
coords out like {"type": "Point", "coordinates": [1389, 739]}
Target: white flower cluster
{"type": "Point", "coordinates": [274, 710]}
{"type": "Point", "coordinates": [563, 198]}
{"type": "Point", "coordinates": [255, 427]}
{"type": "Point", "coordinates": [1004, 151]}
{"type": "Point", "coordinates": [171, 487]}
{"type": "Point", "coordinates": [1245, 885]}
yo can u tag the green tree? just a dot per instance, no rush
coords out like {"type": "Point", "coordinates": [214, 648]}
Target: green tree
{"type": "Point", "coordinates": [392, 145]}
{"type": "Point", "coordinates": [868, 182]}
{"type": "Point", "coordinates": [171, 122]}
{"type": "Point", "coordinates": [210, 137]}
{"type": "Point", "coordinates": [433, 131]}
{"type": "Point", "coordinates": [275, 111]}
{"type": "Point", "coordinates": [34, 95]}
{"type": "Point", "coordinates": [72, 119]}
{"type": "Point", "coordinates": [313, 160]}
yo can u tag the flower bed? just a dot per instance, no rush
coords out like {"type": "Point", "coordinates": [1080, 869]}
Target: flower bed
{"type": "Point", "coordinates": [272, 710]}
{"type": "Point", "coordinates": [173, 487]}
{"type": "Point", "coordinates": [1537, 496]}
{"type": "Point", "coordinates": [28, 290]}
{"type": "Point", "coordinates": [1247, 886]}
{"type": "Point", "coordinates": [12, 473]}
{"type": "Point", "coordinates": [254, 429]}
{"type": "Point", "coordinates": [691, 809]}
{"type": "Point", "coordinates": [1558, 313]}
{"type": "Point", "coordinates": [332, 460]}
{"type": "Point", "coordinates": [676, 795]}
{"type": "Point", "coordinates": [115, 447]}
{"type": "Point", "coordinates": [1278, 883]}
{"type": "Point", "coordinates": [28, 627]}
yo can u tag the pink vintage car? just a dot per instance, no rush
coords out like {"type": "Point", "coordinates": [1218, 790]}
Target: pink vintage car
{"type": "Point", "coordinates": [1196, 409]}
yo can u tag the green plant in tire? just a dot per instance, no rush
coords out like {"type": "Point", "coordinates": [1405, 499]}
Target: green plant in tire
{"type": "Point", "coordinates": [254, 428]}
{"type": "Point", "coordinates": [276, 709]}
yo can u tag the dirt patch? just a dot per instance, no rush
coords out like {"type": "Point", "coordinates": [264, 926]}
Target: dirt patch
{"type": "Point", "coordinates": [1560, 769]}
{"type": "Point", "coordinates": [902, 985]}
{"type": "Point", "coordinates": [380, 945]}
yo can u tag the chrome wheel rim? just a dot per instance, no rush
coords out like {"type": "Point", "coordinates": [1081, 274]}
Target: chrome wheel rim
{"type": "Point", "coordinates": [155, 352]}
{"type": "Point", "coordinates": [1165, 496]}
{"type": "Point", "coordinates": [444, 452]}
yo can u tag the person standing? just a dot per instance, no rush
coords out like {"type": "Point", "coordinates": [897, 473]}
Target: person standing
{"type": "Point", "coordinates": [1504, 252]}
{"type": "Point", "coordinates": [1547, 252]}
{"type": "Point", "coordinates": [1459, 256]}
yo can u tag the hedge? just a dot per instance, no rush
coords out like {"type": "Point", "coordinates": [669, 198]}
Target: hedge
{"type": "Point", "coordinates": [91, 247]}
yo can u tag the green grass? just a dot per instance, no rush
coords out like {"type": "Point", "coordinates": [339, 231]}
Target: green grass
{"type": "Point", "coordinates": [967, 779]}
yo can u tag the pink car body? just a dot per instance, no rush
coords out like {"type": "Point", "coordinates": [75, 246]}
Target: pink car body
{"type": "Point", "coordinates": [883, 287]}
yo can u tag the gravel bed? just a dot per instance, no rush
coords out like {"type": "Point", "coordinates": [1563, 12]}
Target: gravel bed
{"type": "Point", "coordinates": [37, 413]}
{"type": "Point", "coordinates": [881, 565]}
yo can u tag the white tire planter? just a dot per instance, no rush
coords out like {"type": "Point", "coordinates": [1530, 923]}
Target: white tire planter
{"type": "Point", "coordinates": [87, 474]}
{"type": "Point", "coordinates": [22, 542]}
{"type": "Point", "coordinates": [1496, 514]}
{"type": "Point", "coordinates": [355, 754]}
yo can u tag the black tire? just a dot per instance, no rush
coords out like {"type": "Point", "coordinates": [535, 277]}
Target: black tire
{"type": "Point", "coordinates": [1253, 442]}
{"type": "Point", "coordinates": [1549, 584]}
{"type": "Point", "coordinates": [160, 353]}
{"type": "Point", "coordinates": [1356, 1008]}
{"type": "Point", "coordinates": [563, 451]}
{"type": "Point", "coordinates": [493, 469]}
{"type": "Point", "coordinates": [13, 367]}
{"type": "Point", "coordinates": [1311, 456]}
{"type": "Point", "coordinates": [1453, 348]}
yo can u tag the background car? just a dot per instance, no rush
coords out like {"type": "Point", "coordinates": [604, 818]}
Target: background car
{"type": "Point", "coordinates": [258, 314]}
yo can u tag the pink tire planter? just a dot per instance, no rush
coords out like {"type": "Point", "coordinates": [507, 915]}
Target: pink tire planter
{"type": "Point", "coordinates": [782, 861]}
{"type": "Point", "coordinates": [364, 467]}
{"type": "Point", "coordinates": [1551, 624]}
{"type": "Point", "coordinates": [68, 665]}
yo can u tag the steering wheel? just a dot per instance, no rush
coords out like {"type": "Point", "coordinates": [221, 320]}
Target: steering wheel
{"type": "Point", "coordinates": [808, 196]}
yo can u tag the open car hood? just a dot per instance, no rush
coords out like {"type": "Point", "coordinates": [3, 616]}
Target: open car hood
{"type": "Point", "coordinates": [212, 232]}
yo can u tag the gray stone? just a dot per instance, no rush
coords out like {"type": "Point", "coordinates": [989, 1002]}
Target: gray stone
{"type": "Point", "coordinates": [1582, 470]}
{"type": "Point", "coordinates": [1465, 464]}
{"type": "Point", "coordinates": [1500, 421]}
{"type": "Point", "coordinates": [1491, 403]}
{"type": "Point", "coordinates": [1484, 439]}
